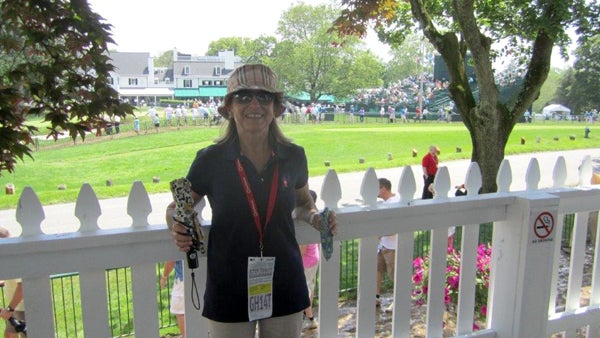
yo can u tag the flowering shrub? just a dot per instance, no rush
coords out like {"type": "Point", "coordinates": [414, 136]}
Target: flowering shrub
{"type": "Point", "coordinates": [482, 276]}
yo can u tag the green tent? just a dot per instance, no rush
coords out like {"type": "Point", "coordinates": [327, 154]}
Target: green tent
{"type": "Point", "coordinates": [212, 91]}
{"type": "Point", "coordinates": [186, 92]}
{"type": "Point", "coordinates": [306, 98]}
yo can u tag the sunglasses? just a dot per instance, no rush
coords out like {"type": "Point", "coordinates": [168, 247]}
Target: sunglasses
{"type": "Point", "coordinates": [246, 96]}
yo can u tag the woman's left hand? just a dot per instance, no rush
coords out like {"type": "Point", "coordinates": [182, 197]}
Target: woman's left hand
{"type": "Point", "coordinates": [332, 222]}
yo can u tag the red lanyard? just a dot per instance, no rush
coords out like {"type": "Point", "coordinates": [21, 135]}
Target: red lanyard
{"type": "Point", "coordinates": [252, 201]}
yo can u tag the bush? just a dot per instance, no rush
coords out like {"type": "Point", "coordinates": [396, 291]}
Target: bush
{"type": "Point", "coordinates": [421, 279]}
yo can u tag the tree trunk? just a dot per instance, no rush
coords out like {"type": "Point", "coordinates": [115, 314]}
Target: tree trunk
{"type": "Point", "coordinates": [489, 121]}
{"type": "Point", "coordinates": [488, 141]}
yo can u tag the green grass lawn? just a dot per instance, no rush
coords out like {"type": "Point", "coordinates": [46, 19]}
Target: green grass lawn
{"type": "Point", "coordinates": [166, 155]}
{"type": "Point", "coordinates": [128, 157]}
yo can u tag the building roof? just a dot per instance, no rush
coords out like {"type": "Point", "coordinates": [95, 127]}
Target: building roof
{"type": "Point", "coordinates": [162, 73]}
{"type": "Point", "coordinates": [202, 68]}
{"type": "Point", "coordinates": [127, 63]}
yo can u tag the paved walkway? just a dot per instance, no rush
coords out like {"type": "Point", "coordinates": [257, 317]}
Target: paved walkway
{"type": "Point", "coordinates": [60, 218]}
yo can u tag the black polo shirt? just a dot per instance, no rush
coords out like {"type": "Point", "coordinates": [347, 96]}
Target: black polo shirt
{"type": "Point", "coordinates": [234, 237]}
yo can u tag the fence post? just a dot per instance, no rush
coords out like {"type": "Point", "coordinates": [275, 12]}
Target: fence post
{"type": "Point", "coordinates": [38, 297]}
{"type": "Point", "coordinates": [522, 254]}
{"type": "Point", "coordinates": [329, 270]}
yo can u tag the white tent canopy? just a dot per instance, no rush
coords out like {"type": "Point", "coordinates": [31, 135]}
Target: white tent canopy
{"type": "Point", "coordinates": [556, 109]}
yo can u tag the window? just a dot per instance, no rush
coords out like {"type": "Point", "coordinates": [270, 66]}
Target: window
{"type": "Point", "coordinates": [111, 80]}
{"type": "Point", "coordinates": [133, 82]}
{"type": "Point", "coordinates": [207, 83]}
{"type": "Point", "coordinates": [217, 71]}
{"type": "Point", "coordinates": [186, 70]}
{"type": "Point", "coordinates": [218, 83]}
{"type": "Point", "coordinates": [187, 83]}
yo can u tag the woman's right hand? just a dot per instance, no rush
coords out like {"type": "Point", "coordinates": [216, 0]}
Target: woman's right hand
{"type": "Point", "coordinates": [180, 237]}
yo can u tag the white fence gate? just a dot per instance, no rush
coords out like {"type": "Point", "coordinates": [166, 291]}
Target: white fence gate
{"type": "Point", "coordinates": [526, 243]}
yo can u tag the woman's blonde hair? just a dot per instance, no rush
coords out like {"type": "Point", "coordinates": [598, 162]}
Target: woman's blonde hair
{"type": "Point", "coordinates": [276, 135]}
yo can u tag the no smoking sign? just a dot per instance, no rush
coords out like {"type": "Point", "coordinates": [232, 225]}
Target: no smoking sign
{"type": "Point", "coordinates": [543, 226]}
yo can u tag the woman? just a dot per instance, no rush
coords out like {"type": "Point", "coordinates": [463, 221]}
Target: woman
{"type": "Point", "coordinates": [254, 178]}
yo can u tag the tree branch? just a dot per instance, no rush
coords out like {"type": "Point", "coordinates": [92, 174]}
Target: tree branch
{"type": "Point", "coordinates": [479, 45]}
{"type": "Point", "coordinates": [537, 72]}
{"type": "Point", "coordinates": [453, 54]}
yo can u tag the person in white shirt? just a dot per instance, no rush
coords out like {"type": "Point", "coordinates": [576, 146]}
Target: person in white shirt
{"type": "Point", "coordinates": [117, 120]}
{"type": "Point", "coordinates": [178, 115]}
{"type": "Point", "coordinates": [386, 252]}
{"type": "Point", "coordinates": [184, 114]}
{"type": "Point", "coordinates": [169, 114]}
{"type": "Point", "coordinates": [154, 117]}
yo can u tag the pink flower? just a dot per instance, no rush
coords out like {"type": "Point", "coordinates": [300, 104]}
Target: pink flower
{"type": "Point", "coordinates": [481, 250]}
{"type": "Point", "coordinates": [453, 261]}
{"type": "Point", "coordinates": [447, 298]}
{"type": "Point", "coordinates": [453, 281]}
{"type": "Point", "coordinates": [417, 278]}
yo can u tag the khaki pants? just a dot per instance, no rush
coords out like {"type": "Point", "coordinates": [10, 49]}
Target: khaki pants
{"type": "Point", "coordinates": [289, 326]}
{"type": "Point", "coordinates": [386, 260]}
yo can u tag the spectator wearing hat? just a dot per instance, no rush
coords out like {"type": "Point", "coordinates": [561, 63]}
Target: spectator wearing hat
{"type": "Point", "coordinates": [430, 166]}
{"type": "Point", "coordinates": [253, 177]}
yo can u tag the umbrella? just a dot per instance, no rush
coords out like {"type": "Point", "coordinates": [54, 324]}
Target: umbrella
{"type": "Point", "coordinates": [326, 235]}
{"type": "Point", "coordinates": [185, 214]}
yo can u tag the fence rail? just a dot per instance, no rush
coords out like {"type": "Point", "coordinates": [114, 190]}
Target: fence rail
{"type": "Point", "coordinates": [524, 264]}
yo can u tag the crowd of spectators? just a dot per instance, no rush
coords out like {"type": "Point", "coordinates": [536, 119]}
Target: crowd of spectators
{"type": "Point", "coordinates": [406, 92]}
{"type": "Point", "coordinates": [403, 93]}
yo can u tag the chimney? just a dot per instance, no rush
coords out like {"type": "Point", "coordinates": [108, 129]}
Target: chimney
{"type": "Point", "coordinates": [150, 71]}
{"type": "Point", "coordinates": [228, 57]}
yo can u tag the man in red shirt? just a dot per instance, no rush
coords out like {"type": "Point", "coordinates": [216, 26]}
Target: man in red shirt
{"type": "Point", "coordinates": [430, 166]}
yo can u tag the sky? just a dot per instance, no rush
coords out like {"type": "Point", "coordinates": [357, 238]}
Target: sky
{"type": "Point", "coordinates": [157, 26]}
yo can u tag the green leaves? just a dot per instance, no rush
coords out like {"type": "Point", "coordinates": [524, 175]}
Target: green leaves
{"type": "Point", "coordinates": [310, 59]}
{"type": "Point", "coordinates": [53, 62]}
{"type": "Point", "coordinates": [580, 86]}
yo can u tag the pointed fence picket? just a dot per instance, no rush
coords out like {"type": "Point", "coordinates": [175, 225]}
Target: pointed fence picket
{"type": "Point", "coordinates": [522, 296]}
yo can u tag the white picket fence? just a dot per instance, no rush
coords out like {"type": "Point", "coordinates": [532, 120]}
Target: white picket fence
{"type": "Point", "coordinates": [524, 264]}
